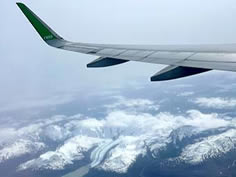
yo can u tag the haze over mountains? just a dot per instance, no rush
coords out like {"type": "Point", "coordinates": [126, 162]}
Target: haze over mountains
{"type": "Point", "coordinates": [178, 127]}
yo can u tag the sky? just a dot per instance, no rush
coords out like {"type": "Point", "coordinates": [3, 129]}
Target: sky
{"type": "Point", "coordinates": [49, 93]}
{"type": "Point", "coordinates": [31, 70]}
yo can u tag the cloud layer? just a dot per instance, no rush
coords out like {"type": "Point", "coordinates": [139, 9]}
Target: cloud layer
{"type": "Point", "coordinates": [216, 102]}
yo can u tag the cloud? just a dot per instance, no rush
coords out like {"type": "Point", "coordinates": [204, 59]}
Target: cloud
{"type": "Point", "coordinates": [181, 86]}
{"type": "Point", "coordinates": [38, 103]}
{"type": "Point", "coordinates": [56, 133]}
{"type": "Point", "coordinates": [216, 102]}
{"type": "Point", "coordinates": [135, 104]}
{"type": "Point", "coordinates": [185, 94]}
{"type": "Point", "coordinates": [224, 88]}
{"type": "Point", "coordinates": [7, 134]}
{"type": "Point", "coordinates": [205, 121]}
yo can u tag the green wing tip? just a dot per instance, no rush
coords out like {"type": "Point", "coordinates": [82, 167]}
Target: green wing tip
{"type": "Point", "coordinates": [19, 4]}
{"type": "Point", "coordinates": [42, 28]}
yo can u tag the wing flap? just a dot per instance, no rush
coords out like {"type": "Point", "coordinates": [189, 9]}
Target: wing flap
{"type": "Point", "coordinates": [105, 62]}
{"type": "Point", "coordinates": [175, 72]}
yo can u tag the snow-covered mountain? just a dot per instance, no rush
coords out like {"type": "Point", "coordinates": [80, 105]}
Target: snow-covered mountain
{"type": "Point", "coordinates": [20, 147]}
{"type": "Point", "coordinates": [209, 147]}
{"type": "Point", "coordinates": [113, 143]}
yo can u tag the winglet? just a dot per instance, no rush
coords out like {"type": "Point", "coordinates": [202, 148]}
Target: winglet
{"type": "Point", "coordinates": [46, 33]}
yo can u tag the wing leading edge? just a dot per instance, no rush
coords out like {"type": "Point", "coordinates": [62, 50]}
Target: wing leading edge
{"type": "Point", "coordinates": [184, 60]}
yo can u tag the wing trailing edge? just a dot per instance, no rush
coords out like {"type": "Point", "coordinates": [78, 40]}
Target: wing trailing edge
{"type": "Point", "coordinates": [176, 72]}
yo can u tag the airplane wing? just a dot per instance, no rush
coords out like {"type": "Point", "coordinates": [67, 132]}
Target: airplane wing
{"type": "Point", "coordinates": [183, 60]}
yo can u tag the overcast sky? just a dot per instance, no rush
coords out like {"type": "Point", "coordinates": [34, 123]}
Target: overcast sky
{"type": "Point", "coordinates": [30, 69]}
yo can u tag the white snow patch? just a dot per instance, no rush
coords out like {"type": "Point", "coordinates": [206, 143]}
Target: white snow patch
{"type": "Point", "coordinates": [19, 148]}
{"type": "Point", "coordinates": [124, 155]}
{"type": "Point", "coordinates": [72, 150]}
{"type": "Point", "coordinates": [209, 147]}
